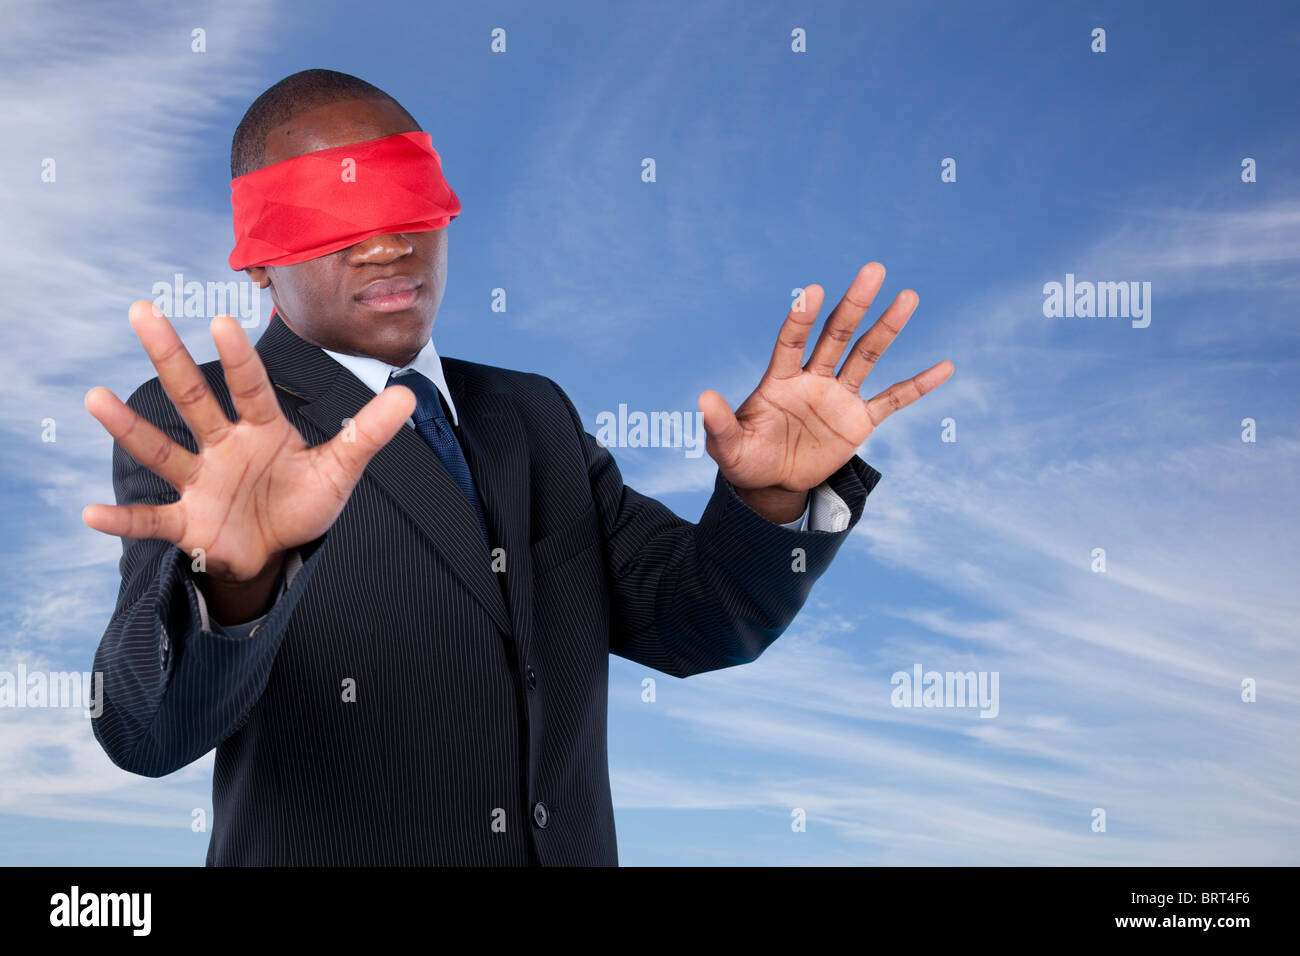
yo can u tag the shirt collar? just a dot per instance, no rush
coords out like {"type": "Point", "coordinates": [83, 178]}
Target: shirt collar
{"type": "Point", "coordinates": [374, 372]}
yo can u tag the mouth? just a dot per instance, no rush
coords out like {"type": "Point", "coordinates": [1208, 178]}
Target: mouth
{"type": "Point", "coordinates": [390, 295]}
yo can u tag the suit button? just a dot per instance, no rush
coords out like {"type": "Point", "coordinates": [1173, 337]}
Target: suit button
{"type": "Point", "coordinates": [530, 677]}
{"type": "Point", "coordinates": [539, 815]}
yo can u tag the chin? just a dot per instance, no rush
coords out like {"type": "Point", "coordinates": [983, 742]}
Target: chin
{"type": "Point", "coordinates": [394, 332]}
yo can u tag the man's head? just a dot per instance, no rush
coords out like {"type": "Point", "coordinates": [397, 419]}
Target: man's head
{"type": "Point", "coordinates": [344, 301]}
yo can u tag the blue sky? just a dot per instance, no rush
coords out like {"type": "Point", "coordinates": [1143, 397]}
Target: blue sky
{"type": "Point", "coordinates": [1119, 691]}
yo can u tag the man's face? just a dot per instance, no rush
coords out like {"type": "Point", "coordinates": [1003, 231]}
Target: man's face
{"type": "Point", "coordinates": [378, 297]}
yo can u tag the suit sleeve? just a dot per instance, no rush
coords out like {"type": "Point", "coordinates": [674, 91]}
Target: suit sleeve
{"type": "Point", "coordinates": [174, 689]}
{"type": "Point", "coordinates": [693, 597]}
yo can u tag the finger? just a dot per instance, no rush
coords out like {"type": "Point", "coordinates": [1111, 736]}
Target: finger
{"type": "Point", "coordinates": [905, 393]}
{"type": "Point", "coordinates": [841, 323]}
{"type": "Point", "coordinates": [787, 357]}
{"type": "Point", "coordinates": [873, 342]}
{"type": "Point", "coordinates": [148, 445]}
{"type": "Point", "coordinates": [719, 423]}
{"type": "Point", "coordinates": [137, 521]}
{"type": "Point", "coordinates": [250, 388]}
{"type": "Point", "coordinates": [344, 457]}
{"type": "Point", "coordinates": [179, 376]}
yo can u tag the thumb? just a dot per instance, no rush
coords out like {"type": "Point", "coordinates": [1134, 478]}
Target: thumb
{"type": "Point", "coordinates": [719, 421]}
{"type": "Point", "coordinates": [370, 430]}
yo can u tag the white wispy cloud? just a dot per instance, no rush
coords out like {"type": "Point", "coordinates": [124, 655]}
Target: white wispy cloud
{"type": "Point", "coordinates": [1119, 690]}
{"type": "Point", "coordinates": [127, 112]}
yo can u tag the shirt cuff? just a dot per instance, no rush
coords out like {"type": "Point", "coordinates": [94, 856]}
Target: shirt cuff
{"type": "Point", "coordinates": [825, 511]}
{"type": "Point", "coordinates": [292, 565]}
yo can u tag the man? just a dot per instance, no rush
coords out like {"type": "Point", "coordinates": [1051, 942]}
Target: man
{"type": "Point", "coordinates": [390, 610]}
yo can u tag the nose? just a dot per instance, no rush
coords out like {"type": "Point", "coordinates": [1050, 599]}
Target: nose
{"type": "Point", "coordinates": [380, 250]}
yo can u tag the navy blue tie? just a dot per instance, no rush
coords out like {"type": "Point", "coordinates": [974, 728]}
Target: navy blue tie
{"type": "Point", "coordinates": [434, 428]}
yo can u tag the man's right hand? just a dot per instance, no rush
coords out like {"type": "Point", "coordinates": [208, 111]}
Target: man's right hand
{"type": "Point", "coordinates": [255, 490]}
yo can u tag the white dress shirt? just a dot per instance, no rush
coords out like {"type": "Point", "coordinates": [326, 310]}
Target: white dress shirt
{"type": "Point", "coordinates": [825, 511]}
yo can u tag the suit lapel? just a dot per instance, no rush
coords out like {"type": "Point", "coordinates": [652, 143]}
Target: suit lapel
{"type": "Point", "coordinates": [496, 447]}
{"type": "Point", "coordinates": [406, 468]}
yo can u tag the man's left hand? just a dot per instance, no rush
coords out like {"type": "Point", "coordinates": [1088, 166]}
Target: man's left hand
{"type": "Point", "coordinates": [803, 422]}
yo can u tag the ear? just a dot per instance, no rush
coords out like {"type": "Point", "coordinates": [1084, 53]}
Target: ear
{"type": "Point", "coordinates": [259, 276]}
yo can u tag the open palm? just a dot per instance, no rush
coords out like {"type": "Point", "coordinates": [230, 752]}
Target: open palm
{"type": "Point", "coordinates": [803, 422]}
{"type": "Point", "coordinates": [255, 489]}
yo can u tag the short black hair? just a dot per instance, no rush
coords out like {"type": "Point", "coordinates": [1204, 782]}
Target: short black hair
{"type": "Point", "coordinates": [295, 94]}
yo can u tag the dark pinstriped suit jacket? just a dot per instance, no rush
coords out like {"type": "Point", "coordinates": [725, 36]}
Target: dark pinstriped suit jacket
{"type": "Point", "coordinates": [477, 734]}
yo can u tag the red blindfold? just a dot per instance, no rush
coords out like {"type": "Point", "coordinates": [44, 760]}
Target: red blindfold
{"type": "Point", "coordinates": [319, 203]}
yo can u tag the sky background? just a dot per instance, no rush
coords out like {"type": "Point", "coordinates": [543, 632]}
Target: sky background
{"type": "Point", "coordinates": [775, 170]}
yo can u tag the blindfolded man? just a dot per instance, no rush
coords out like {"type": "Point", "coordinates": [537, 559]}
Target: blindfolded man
{"type": "Point", "coordinates": [390, 609]}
